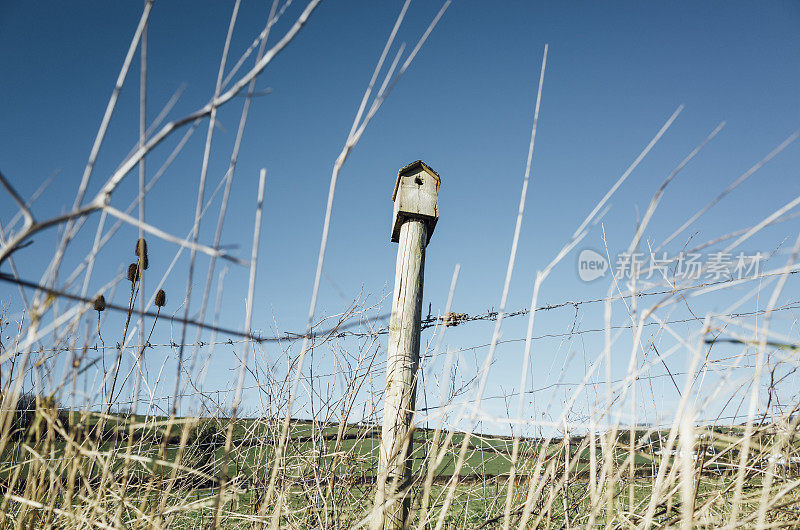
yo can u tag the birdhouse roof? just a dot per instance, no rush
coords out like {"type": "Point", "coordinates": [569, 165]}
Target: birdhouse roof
{"type": "Point", "coordinates": [411, 168]}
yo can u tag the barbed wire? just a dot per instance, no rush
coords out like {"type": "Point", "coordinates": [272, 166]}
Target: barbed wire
{"type": "Point", "coordinates": [209, 394]}
{"type": "Point", "coordinates": [486, 316]}
{"type": "Point", "coordinates": [341, 330]}
{"type": "Point", "coordinates": [448, 320]}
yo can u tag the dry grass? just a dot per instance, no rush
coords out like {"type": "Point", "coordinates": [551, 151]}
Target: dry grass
{"type": "Point", "coordinates": [75, 458]}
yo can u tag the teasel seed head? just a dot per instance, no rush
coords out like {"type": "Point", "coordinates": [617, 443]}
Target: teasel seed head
{"type": "Point", "coordinates": [133, 272]}
{"type": "Point", "coordinates": [141, 251]}
{"type": "Point", "coordinates": [141, 247]}
{"type": "Point", "coordinates": [161, 298]}
{"type": "Point", "coordinates": [100, 303]}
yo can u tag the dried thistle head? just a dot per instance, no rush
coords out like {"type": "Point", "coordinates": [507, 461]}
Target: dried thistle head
{"type": "Point", "coordinates": [100, 303]}
{"type": "Point", "coordinates": [161, 298]}
{"type": "Point", "coordinates": [141, 251]}
{"type": "Point", "coordinates": [133, 272]}
{"type": "Point", "coordinates": [141, 247]}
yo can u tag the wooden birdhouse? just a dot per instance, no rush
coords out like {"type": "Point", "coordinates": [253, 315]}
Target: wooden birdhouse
{"type": "Point", "coordinates": [416, 195]}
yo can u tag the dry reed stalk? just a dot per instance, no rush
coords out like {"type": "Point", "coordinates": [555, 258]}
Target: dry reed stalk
{"type": "Point", "coordinates": [584, 468]}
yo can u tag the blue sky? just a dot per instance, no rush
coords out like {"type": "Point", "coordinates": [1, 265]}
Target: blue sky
{"type": "Point", "coordinates": [615, 73]}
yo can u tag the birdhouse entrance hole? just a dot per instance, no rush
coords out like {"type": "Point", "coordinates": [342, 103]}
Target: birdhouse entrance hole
{"type": "Point", "coordinates": [415, 196]}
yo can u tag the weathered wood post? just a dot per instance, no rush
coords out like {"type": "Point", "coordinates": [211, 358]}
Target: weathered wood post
{"type": "Point", "coordinates": [415, 214]}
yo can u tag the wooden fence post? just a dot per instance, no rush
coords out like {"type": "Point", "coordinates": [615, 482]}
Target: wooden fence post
{"type": "Point", "coordinates": [415, 214]}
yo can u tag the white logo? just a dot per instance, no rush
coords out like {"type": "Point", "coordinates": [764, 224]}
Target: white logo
{"type": "Point", "coordinates": [591, 265]}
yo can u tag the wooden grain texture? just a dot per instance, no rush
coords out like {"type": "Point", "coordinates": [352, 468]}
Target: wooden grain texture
{"type": "Point", "coordinates": [416, 196]}
{"type": "Point", "coordinates": [394, 469]}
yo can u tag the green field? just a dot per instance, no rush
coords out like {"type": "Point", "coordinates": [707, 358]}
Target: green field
{"type": "Point", "coordinates": [189, 472]}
